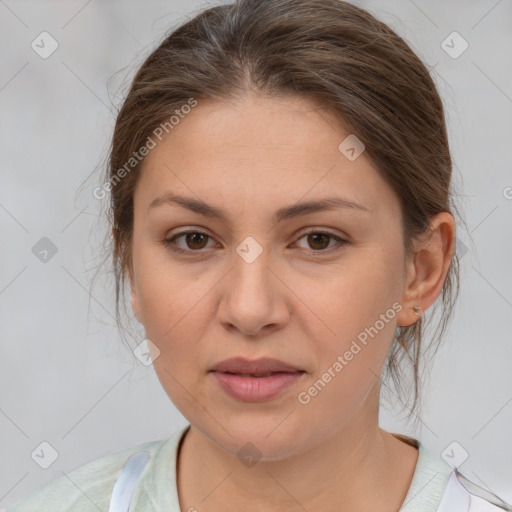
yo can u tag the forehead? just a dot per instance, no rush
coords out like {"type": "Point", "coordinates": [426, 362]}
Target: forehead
{"type": "Point", "coordinates": [261, 150]}
{"type": "Point", "coordinates": [247, 125]}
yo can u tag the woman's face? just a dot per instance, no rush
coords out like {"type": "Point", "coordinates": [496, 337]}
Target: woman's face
{"type": "Point", "coordinates": [254, 284]}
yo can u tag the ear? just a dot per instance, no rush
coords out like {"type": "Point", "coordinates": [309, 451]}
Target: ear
{"type": "Point", "coordinates": [427, 268]}
{"type": "Point", "coordinates": [134, 295]}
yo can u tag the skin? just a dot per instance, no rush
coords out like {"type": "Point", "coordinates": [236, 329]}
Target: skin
{"type": "Point", "coordinates": [294, 303]}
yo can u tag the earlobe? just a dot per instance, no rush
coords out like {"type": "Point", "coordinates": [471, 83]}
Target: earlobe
{"type": "Point", "coordinates": [411, 302]}
{"type": "Point", "coordinates": [135, 304]}
{"type": "Point", "coordinates": [428, 268]}
{"type": "Point", "coordinates": [134, 298]}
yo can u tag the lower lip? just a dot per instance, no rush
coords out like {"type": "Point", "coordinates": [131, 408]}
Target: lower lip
{"type": "Point", "coordinates": [256, 389]}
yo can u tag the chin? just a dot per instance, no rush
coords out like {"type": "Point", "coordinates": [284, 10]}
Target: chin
{"type": "Point", "coordinates": [250, 438]}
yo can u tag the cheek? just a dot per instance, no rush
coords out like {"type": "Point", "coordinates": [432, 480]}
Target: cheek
{"type": "Point", "coordinates": [351, 295]}
{"type": "Point", "coordinates": [174, 307]}
{"type": "Point", "coordinates": [175, 320]}
{"type": "Point", "coordinates": [163, 295]}
{"type": "Point", "coordinates": [357, 308]}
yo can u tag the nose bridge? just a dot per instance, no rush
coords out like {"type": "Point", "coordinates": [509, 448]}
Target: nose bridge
{"type": "Point", "coordinates": [251, 273]}
{"type": "Point", "coordinates": [252, 294]}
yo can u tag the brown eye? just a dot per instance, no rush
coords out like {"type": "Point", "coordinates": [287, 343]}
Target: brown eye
{"type": "Point", "coordinates": [195, 240]}
{"type": "Point", "coordinates": [318, 240]}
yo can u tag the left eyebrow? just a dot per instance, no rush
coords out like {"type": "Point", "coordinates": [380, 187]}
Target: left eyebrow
{"type": "Point", "coordinates": [285, 213]}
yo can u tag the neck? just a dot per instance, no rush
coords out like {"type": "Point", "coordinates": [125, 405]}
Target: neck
{"type": "Point", "coordinates": [356, 469]}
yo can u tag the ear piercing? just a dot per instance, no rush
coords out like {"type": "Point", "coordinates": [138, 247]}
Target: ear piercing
{"type": "Point", "coordinates": [416, 309]}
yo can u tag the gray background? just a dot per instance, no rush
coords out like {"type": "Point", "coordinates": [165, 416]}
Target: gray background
{"type": "Point", "coordinates": [65, 376]}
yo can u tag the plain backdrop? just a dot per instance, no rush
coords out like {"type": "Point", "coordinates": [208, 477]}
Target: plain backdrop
{"type": "Point", "coordinates": [65, 376]}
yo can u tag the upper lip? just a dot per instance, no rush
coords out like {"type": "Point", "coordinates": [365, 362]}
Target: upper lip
{"type": "Point", "coordinates": [257, 366]}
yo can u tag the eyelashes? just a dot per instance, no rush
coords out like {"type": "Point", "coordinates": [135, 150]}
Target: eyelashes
{"type": "Point", "coordinates": [171, 242]}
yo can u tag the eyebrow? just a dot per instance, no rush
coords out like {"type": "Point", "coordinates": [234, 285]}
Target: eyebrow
{"type": "Point", "coordinates": [285, 213]}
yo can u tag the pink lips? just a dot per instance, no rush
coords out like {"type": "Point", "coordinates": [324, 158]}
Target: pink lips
{"type": "Point", "coordinates": [255, 381]}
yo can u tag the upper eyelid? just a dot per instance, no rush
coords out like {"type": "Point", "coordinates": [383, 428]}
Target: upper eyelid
{"type": "Point", "coordinates": [302, 233]}
{"type": "Point", "coordinates": [182, 233]}
{"type": "Point", "coordinates": [341, 238]}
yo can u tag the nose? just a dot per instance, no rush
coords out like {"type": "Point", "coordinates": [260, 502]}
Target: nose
{"type": "Point", "coordinates": [255, 301]}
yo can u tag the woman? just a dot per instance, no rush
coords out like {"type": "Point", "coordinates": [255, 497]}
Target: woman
{"type": "Point", "coordinates": [281, 207]}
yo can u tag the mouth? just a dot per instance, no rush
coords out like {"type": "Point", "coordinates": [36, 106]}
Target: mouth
{"type": "Point", "coordinates": [247, 387]}
{"type": "Point", "coordinates": [260, 375]}
{"type": "Point", "coordinates": [262, 367]}
{"type": "Point", "coordinates": [256, 380]}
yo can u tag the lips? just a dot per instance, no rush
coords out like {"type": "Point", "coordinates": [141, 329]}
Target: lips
{"type": "Point", "coordinates": [257, 375]}
{"type": "Point", "coordinates": [260, 380]}
{"type": "Point", "coordinates": [262, 367]}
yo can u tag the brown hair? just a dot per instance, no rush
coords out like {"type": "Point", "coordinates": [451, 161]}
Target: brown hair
{"type": "Point", "coordinates": [328, 50]}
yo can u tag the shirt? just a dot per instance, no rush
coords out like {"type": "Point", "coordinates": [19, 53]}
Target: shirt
{"type": "Point", "coordinates": [89, 487]}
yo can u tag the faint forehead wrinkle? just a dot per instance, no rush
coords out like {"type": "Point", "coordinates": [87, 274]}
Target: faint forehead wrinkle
{"type": "Point", "coordinates": [271, 145]}
{"type": "Point", "coordinates": [284, 213]}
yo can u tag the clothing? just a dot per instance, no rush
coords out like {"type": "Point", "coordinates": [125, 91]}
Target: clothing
{"type": "Point", "coordinates": [89, 488]}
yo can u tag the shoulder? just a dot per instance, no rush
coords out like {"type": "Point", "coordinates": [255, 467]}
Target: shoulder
{"type": "Point", "coordinates": [462, 494]}
{"type": "Point", "coordinates": [437, 486]}
{"type": "Point", "coordinates": [87, 488]}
